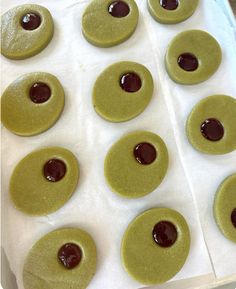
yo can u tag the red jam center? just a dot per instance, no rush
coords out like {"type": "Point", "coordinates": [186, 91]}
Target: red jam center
{"type": "Point", "coordinates": [30, 21]}
{"type": "Point", "coordinates": [54, 170]}
{"type": "Point", "coordinates": [130, 82]}
{"type": "Point", "coordinates": [70, 255]}
{"type": "Point", "coordinates": [145, 153]}
{"type": "Point", "coordinates": [40, 92]}
{"type": "Point", "coordinates": [212, 129]}
{"type": "Point", "coordinates": [119, 9]}
{"type": "Point", "coordinates": [164, 234]}
{"type": "Point", "coordinates": [233, 217]}
{"type": "Point", "coordinates": [169, 4]}
{"type": "Point", "coordinates": [188, 62]}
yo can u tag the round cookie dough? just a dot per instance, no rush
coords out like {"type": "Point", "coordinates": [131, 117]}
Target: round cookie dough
{"type": "Point", "coordinates": [125, 175]}
{"type": "Point", "coordinates": [221, 108]}
{"type": "Point", "coordinates": [24, 117]}
{"type": "Point", "coordinates": [43, 270]}
{"type": "Point", "coordinates": [225, 208]}
{"type": "Point", "coordinates": [19, 43]}
{"type": "Point", "coordinates": [199, 44]}
{"type": "Point", "coordinates": [143, 258]}
{"type": "Point", "coordinates": [33, 193]}
{"type": "Point", "coordinates": [115, 104]}
{"type": "Point", "coordinates": [184, 10]}
{"type": "Point", "coordinates": [102, 29]}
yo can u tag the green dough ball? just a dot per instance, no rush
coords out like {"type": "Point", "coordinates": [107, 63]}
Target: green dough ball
{"type": "Point", "coordinates": [24, 117]}
{"type": "Point", "coordinates": [101, 29]}
{"type": "Point", "coordinates": [125, 175]}
{"type": "Point", "coordinates": [143, 258]}
{"type": "Point", "coordinates": [221, 108]}
{"type": "Point", "coordinates": [184, 10]}
{"type": "Point", "coordinates": [115, 104]}
{"type": "Point", "coordinates": [18, 43]}
{"type": "Point", "coordinates": [32, 193]}
{"type": "Point", "coordinates": [224, 205]}
{"type": "Point", "coordinates": [43, 269]}
{"type": "Point", "coordinates": [200, 44]}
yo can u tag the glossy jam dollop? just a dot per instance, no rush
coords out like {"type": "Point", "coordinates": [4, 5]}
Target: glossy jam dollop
{"type": "Point", "coordinates": [145, 153]}
{"type": "Point", "coordinates": [233, 217]}
{"type": "Point", "coordinates": [188, 62]}
{"type": "Point", "coordinates": [70, 255]}
{"type": "Point", "coordinates": [119, 9]}
{"type": "Point", "coordinates": [169, 4]}
{"type": "Point", "coordinates": [40, 92]}
{"type": "Point", "coordinates": [130, 82]}
{"type": "Point", "coordinates": [212, 129]}
{"type": "Point", "coordinates": [54, 170]}
{"type": "Point", "coordinates": [164, 234]}
{"type": "Point", "coordinates": [30, 21]}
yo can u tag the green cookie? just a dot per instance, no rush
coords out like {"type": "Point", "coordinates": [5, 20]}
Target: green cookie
{"type": "Point", "coordinates": [32, 193]}
{"type": "Point", "coordinates": [125, 175]}
{"type": "Point", "coordinates": [184, 10]}
{"type": "Point", "coordinates": [115, 104]}
{"type": "Point", "coordinates": [19, 43]}
{"type": "Point", "coordinates": [24, 117]}
{"type": "Point", "coordinates": [199, 44]}
{"type": "Point", "coordinates": [102, 29]}
{"type": "Point", "coordinates": [143, 258]}
{"type": "Point", "coordinates": [225, 208]}
{"type": "Point", "coordinates": [43, 269]}
{"type": "Point", "coordinates": [221, 108]}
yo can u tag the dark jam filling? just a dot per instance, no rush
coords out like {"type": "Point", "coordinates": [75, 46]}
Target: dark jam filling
{"type": "Point", "coordinates": [30, 21]}
{"type": "Point", "coordinates": [145, 153]}
{"type": "Point", "coordinates": [233, 217]}
{"type": "Point", "coordinates": [188, 62]}
{"type": "Point", "coordinates": [40, 92]}
{"type": "Point", "coordinates": [212, 129]}
{"type": "Point", "coordinates": [130, 82]}
{"type": "Point", "coordinates": [70, 255]}
{"type": "Point", "coordinates": [118, 9]}
{"type": "Point", "coordinates": [164, 234]}
{"type": "Point", "coordinates": [169, 4]}
{"type": "Point", "coordinates": [54, 170]}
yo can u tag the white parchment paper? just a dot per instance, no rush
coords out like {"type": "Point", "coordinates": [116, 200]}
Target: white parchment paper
{"type": "Point", "coordinates": [204, 172]}
{"type": "Point", "coordinates": [94, 207]}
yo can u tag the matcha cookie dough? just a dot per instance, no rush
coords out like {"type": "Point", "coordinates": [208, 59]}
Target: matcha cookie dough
{"type": "Point", "coordinates": [44, 181]}
{"type": "Point", "coordinates": [192, 57]}
{"type": "Point", "coordinates": [122, 91]}
{"type": "Point", "coordinates": [211, 126]}
{"type": "Point", "coordinates": [225, 208]}
{"type": "Point", "coordinates": [107, 23]}
{"type": "Point", "coordinates": [171, 11]}
{"type": "Point", "coordinates": [65, 258]}
{"type": "Point", "coordinates": [136, 164]}
{"type": "Point", "coordinates": [26, 31]}
{"type": "Point", "coordinates": [155, 246]}
{"type": "Point", "coordinates": [32, 103]}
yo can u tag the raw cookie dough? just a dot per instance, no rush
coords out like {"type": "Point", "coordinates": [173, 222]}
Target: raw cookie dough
{"type": "Point", "coordinates": [43, 270]}
{"type": "Point", "coordinates": [221, 108]}
{"type": "Point", "coordinates": [143, 258]}
{"type": "Point", "coordinates": [19, 43]}
{"type": "Point", "coordinates": [184, 10]}
{"type": "Point", "coordinates": [125, 175]}
{"type": "Point", "coordinates": [225, 207]}
{"type": "Point", "coordinates": [24, 117]}
{"type": "Point", "coordinates": [102, 29]}
{"type": "Point", "coordinates": [115, 104]}
{"type": "Point", "coordinates": [199, 44]}
{"type": "Point", "coordinates": [32, 193]}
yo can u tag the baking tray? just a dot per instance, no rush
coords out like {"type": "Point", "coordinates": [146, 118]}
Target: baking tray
{"type": "Point", "coordinates": [204, 282]}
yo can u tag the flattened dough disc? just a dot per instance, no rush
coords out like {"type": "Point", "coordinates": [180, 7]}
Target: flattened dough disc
{"type": "Point", "coordinates": [19, 43]}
